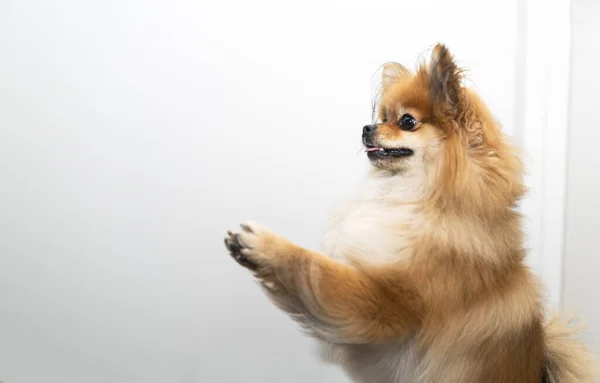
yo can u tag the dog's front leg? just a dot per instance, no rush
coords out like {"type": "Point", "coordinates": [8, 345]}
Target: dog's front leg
{"type": "Point", "coordinates": [334, 301]}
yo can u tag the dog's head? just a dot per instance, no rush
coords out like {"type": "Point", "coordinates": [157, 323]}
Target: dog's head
{"type": "Point", "coordinates": [430, 124]}
{"type": "Point", "coordinates": [416, 113]}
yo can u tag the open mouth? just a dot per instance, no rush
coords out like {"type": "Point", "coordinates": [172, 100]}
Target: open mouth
{"type": "Point", "coordinates": [377, 151]}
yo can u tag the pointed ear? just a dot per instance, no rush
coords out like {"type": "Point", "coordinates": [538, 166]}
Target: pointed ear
{"type": "Point", "coordinates": [392, 72]}
{"type": "Point", "coordinates": [444, 81]}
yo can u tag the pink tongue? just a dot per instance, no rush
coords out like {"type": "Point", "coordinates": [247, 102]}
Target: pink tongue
{"type": "Point", "coordinates": [373, 149]}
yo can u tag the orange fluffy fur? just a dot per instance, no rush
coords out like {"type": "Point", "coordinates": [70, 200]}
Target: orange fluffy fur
{"type": "Point", "coordinates": [423, 278]}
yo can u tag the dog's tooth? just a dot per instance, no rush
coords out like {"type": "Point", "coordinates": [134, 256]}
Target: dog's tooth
{"type": "Point", "coordinates": [381, 149]}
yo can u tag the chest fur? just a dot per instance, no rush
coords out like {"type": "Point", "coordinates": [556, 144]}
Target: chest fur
{"type": "Point", "coordinates": [378, 226]}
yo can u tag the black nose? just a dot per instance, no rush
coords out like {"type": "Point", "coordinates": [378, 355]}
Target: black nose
{"type": "Point", "coordinates": [369, 128]}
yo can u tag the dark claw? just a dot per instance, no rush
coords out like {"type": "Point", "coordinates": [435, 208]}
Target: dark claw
{"type": "Point", "coordinates": [244, 261]}
{"type": "Point", "coordinates": [232, 244]}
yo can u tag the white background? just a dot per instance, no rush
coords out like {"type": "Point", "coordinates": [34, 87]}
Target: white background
{"type": "Point", "coordinates": [134, 133]}
{"type": "Point", "coordinates": [582, 242]}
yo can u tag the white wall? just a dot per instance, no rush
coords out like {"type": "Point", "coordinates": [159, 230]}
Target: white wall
{"type": "Point", "coordinates": [134, 133]}
{"type": "Point", "coordinates": [582, 247]}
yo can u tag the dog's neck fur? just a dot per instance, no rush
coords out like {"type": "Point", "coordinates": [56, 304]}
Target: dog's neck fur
{"type": "Point", "coordinates": [377, 224]}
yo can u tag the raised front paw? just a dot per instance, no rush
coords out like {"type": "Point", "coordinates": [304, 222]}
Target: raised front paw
{"type": "Point", "coordinates": [254, 246]}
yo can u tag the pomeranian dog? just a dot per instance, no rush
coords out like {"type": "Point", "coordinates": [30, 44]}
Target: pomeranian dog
{"type": "Point", "coordinates": [422, 276]}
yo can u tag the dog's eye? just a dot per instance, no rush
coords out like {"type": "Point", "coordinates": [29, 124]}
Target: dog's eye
{"type": "Point", "coordinates": [407, 122]}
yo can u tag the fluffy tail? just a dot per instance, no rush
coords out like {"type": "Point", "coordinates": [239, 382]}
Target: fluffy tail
{"type": "Point", "coordinates": [566, 359]}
